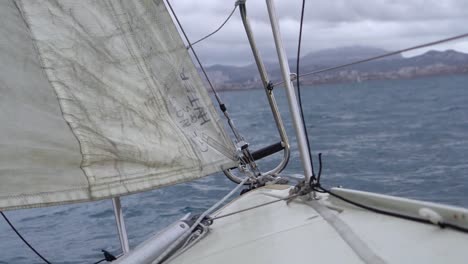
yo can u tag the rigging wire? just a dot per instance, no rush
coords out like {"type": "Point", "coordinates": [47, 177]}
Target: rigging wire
{"type": "Point", "coordinates": [195, 54]}
{"type": "Point", "coordinates": [315, 186]}
{"type": "Point", "coordinates": [315, 183]}
{"type": "Point", "coordinates": [384, 212]}
{"type": "Point", "coordinates": [214, 32]}
{"type": "Point", "coordinates": [22, 238]}
{"type": "Point", "coordinates": [254, 207]}
{"type": "Point", "coordinates": [381, 56]}
{"type": "Point", "coordinates": [318, 188]}
{"type": "Point", "coordinates": [239, 139]}
{"type": "Point", "coordinates": [218, 99]}
{"type": "Point", "coordinates": [299, 89]}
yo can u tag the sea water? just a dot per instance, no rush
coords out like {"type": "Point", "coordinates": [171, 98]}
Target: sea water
{"type": "Point", "coordinates": [407, 138]}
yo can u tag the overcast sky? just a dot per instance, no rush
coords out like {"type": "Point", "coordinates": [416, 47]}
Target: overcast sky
{"type": "Point", "coordinates": [387, 24]}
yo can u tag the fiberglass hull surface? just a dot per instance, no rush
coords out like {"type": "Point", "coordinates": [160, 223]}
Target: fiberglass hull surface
{"type": "Point", "coordinates": [328, 231]}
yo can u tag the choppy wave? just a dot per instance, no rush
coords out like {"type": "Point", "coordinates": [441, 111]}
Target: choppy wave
{"type": "Point", "coordinates": [405, 138]}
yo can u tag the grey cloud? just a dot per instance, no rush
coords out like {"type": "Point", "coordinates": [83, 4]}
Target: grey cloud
{"type": "Point", "coordinates": [359, 10]}
{"type": "Point", "coordinates": [387, 24]}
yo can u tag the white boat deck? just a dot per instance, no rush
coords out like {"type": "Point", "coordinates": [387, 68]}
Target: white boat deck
{"type": "Point", "coordinates": [327, 231]}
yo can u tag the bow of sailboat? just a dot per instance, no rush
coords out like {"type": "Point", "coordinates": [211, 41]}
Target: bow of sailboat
{"type": "Point", "coordinates": [262, 227]}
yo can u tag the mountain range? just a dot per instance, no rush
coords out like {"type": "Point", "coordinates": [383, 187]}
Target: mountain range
{"type": "Point", "coordinates": [393, 67]}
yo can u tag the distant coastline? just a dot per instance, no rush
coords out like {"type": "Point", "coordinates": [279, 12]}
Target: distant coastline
{"type": "Point", "coordinates": [431, 63]}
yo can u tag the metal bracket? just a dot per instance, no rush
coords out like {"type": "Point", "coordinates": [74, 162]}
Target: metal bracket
{"type": "Point", "coordinates": [270, 86]}
{"type": "Point", "coordinates": [271, 100]}
{"type": "Point", "coordinates": [240, 2]}
{"type": "Point", "coordinates": [293, 76]}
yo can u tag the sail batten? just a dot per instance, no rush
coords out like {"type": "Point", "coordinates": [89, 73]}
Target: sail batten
{"type": "Point", "coordinates": [109, 102]}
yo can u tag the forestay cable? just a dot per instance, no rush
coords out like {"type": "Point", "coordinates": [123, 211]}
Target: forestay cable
{"type": "Point", "coordinates": [242, 145]}
{"type": "Point", "coordinates": [222, 106]}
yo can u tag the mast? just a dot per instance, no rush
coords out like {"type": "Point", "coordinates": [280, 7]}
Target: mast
{"type": "Point", "coordinates": [290, 92]}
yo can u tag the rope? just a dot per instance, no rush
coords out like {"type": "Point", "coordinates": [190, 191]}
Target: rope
{"type": "Point", "coordinates": [314, 183]}
{"type": "Point", "coordinates": [383, 212]}
{"type": "Point", "coordinates": [381, 56]}
{"type": "Point", "coordinates": [22, 238]}
{"type": "Point", "coordinates": [316, 186]}
{"type": "Point", "coordinates": [214, 32]}
{"type": "Point", "coordinates": [299, 88]}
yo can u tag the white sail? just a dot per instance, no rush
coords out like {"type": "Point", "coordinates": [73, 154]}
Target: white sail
{"type": "Point", "coordinates": [99, 98]}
